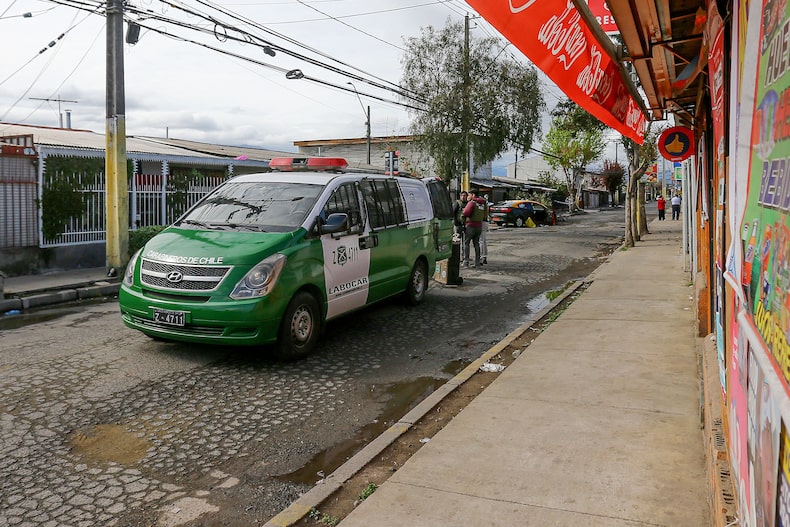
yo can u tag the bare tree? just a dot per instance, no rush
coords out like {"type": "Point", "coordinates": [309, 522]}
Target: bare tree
{"type": "Point", "coordinates": [640, 157]}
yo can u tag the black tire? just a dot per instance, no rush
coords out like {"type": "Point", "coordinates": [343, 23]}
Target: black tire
{"type": "Point", "coordinates": [519, 222]}
{"type": "Point", "coordinates": [418, 283]}
{"type": "Point", "coordinates": [300, 327]}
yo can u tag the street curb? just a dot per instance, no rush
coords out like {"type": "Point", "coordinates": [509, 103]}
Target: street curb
{"type": "Point", "coordinates": [100, 289]}
{"type": "Point", "coordinates": [321, 491]}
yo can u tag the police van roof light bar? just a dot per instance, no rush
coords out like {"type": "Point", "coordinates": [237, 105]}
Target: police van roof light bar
{"type": "Point", "coordinates": [309, 164]}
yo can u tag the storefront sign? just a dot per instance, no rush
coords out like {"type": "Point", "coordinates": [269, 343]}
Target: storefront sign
{"type": "Point", "coordinates": [558, 41]}
{"type": "Point", "coordinates": [676, 143]}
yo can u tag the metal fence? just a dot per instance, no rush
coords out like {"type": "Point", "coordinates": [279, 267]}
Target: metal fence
{"type": "Point", "coordinates": [153, 200]}
{"type": "Point", "coordinates": [18, 211]}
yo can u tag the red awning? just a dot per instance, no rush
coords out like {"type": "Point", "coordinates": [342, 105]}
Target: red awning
{"type": "Point", "coordinates": [555, 37]}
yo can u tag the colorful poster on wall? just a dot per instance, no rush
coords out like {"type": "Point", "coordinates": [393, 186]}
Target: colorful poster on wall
{"type": "Point", "coordinates": [737, 401]}
{"type": "Point", "coordinates": [766, 262]}
{"type": "Point", "coordinates": [783, 498]}
{"type": "Point", "coordinates": [746, 31]}
{"type": "Point", "coordinates": [763, 446]}
{"type": "Point", "coordinates": [714, 33]}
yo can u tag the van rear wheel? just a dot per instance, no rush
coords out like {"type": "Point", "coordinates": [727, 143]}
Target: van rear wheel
{"type": "Point", "coordinates": [418, 283]}
{"type": "Point", "coordinates": [299, 327]}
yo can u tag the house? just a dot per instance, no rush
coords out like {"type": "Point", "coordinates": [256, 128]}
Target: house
{"type": "Point", "coordinates": [52, 190]}
{"type": "Point", "coordinates": [411, 160]}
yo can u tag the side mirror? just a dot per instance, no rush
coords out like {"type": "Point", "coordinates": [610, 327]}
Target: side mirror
{"type": "Point", "coordinates": [336, 222]}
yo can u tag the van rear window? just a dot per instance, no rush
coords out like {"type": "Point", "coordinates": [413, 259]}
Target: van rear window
{"type": "Point", "coordinates": [258, 206]}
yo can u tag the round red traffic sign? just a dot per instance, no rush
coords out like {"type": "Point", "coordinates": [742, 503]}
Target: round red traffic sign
{"type": "Point", "coordinates": [676, 143]}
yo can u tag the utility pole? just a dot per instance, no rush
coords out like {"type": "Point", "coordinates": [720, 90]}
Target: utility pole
{"type": "Point", "coordinates": [368, 135]}
{"type": "Point", "coordinates": [115, 159]}
{"type": "Point", "coordinates": [367, 117]}
{"type": "Point", "coordinates": [465, 120]}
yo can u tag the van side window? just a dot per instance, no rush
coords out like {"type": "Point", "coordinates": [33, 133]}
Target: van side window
{"type": "Point", "coordinates": [384, 202]}
{"type": "Point", "coordinates": [441, 201]}
{"type": "Point", "coordinates": [344, 199]}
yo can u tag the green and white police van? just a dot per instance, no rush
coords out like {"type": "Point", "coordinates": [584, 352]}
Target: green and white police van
{"type": "Point", "coordinates": [270, 257]}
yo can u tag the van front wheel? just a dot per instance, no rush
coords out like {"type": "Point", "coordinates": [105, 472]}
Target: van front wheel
{"type": "Point", "coordinates": [299, 328]}
{"type": "Point", "coordinates": [418, 283]}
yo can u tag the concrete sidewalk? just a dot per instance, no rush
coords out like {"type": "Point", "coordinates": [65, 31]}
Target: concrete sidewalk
{"type": "Point", "coordinates": [597, 423]}
{"type": "Point", "coordinates": [30, 291]}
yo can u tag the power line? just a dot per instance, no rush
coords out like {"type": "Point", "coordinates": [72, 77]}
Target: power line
{"type": "Point", "coordinates": [398, 89]}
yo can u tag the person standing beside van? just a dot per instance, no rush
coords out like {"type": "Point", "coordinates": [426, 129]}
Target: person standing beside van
{"type": "Point", "coordinates": [458, 220]}
{"type": "Point", "coordinates": [484, 233]}
{"type": "Point", "coordinates": [474, 212]}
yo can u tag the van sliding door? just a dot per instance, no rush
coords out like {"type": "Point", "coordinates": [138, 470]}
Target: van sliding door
{"type": "Point", "coordinates": [391, 258]}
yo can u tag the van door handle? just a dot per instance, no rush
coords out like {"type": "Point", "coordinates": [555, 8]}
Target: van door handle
{"type": "Point", "coordinates": [368, 242]}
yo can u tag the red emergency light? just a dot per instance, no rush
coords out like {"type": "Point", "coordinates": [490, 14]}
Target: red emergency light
{"type": "Point", "coordinates": [312, 164]}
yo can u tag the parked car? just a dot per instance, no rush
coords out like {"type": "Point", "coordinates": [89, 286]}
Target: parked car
{"type": "Point", "coordinates": [516, 212]}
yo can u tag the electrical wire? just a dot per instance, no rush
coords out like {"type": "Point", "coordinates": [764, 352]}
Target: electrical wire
{"type": "Point", "coordinates": [51, 44]}
{"type": "Point", "coordinates": [249, 38]}
{"type": "Point", "coordinates": [350, 26]}
{"type": "Point", "coordinates": [73, 71]}
{"type": "Point", "coordinates": [269, 31]}
{"type": "Point", "coordinates": [7, 9]}
{"type": "Point", "coordinates": [278, 68]}
{"type": "Point", "coordinates": [220, 32]}
{"type": "Point", "coordinates": [356, 15]}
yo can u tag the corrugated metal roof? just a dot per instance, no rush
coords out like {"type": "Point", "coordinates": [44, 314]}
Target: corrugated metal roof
{"type": "Point", "coordinates": [87, 139]}
{"type": "Point", "coordinates": [70, 141]}
{"type": "Point", "coordinates": [260, 154]}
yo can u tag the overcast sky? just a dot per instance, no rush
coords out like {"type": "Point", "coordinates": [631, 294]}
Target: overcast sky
{"type": "Point", "coordinates": [187, 91]}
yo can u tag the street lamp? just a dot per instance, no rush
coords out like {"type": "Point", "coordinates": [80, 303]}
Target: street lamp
{"type": "Point", "coordinates": [367, 116]}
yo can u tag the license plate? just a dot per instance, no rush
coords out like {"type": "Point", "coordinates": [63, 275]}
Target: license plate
{"type": "Point", "coordinates": [170, 318]}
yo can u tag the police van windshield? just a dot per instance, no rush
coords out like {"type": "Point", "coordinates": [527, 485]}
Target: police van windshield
{"type": "Point", "coordinates": [255, 206]}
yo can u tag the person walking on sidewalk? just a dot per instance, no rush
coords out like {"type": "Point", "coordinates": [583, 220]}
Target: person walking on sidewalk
{"type": "Point", "coordinates": [675, 207]}
{"type": "Point", "coordinates": [661, 204]}
{"type": "Point", "coordinates": [474, 212]}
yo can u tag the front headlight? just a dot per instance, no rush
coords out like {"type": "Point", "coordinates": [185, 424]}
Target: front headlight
{"type": "Point", "coordinates": [261, 279]}
{"type": "Point", "coordinates": [128, 275]}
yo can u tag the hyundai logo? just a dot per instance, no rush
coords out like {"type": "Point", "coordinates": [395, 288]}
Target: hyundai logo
{"type": "Point", "coordinates": [174, 277]}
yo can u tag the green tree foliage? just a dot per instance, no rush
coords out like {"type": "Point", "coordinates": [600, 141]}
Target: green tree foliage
{"type": "Point", "coordinates": [62, 196]}
{"type": "Point", "coordinates": [574, 140]}
{"type": "Point", "coordinates": [496, 102]}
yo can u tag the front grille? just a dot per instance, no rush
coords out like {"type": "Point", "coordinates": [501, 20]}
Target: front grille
{"type": "Point", "coordinates": [189, 329]}
{"type": "Point", "coordinates": [177, 277]}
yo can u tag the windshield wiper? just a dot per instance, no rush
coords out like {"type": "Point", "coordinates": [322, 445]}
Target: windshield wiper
{"type": "Point", "coordinates": [197, 223]}
{"type": "Point", "coordinates": [246, 227]}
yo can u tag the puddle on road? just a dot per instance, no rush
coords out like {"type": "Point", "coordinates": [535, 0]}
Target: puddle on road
{"type": "Point", "coordinates": [402, 398]}
{"type": "Point", "coordinates": [537, 303]}
{"type": "Point", "coordinates": [108, 443]}
{"type": "Point", "coordinates": [16, 320]}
